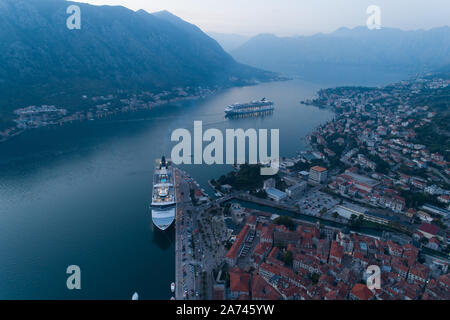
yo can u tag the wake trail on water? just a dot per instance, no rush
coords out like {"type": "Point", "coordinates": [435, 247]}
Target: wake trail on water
{"type": "Point", "coordinates": [164, 118]}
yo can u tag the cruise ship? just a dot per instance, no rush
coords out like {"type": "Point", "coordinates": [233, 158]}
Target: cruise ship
{"type": "Point", "coordinates": [163, 199]}
{"type": "Point", "coordinates": [253, 107]}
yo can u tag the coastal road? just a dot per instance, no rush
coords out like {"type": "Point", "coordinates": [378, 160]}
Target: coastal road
{"type": "Point", "coordinates": [184, 254]}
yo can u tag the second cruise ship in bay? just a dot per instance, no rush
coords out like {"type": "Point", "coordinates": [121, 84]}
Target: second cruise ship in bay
{"type": "Point", "coordinates": [254, 107]}
{"type": "Point", "coordinates": [163, 198]}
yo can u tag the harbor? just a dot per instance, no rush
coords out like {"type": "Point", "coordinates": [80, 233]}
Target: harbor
{"type": "Point", "coordinates": [113, 160]}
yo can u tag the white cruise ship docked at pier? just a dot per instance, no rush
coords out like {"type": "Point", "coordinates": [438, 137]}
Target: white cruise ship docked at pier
{"type": "Point", "coordinates": [163, 199]}
{"type": "Point", "coordinates": [261, 106]}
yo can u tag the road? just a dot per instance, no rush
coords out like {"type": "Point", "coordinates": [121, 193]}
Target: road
{"type": "Point", "coordinates": [199, 242]}
{"type": "Point", "coordinates": [185, 279]}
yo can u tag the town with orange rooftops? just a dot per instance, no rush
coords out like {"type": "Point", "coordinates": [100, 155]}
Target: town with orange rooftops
{"type": "Point", "coordinates": [370, 194]}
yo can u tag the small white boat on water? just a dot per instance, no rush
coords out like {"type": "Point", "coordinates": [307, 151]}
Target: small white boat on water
{"type": "Point", "coordinates": [172, 287]}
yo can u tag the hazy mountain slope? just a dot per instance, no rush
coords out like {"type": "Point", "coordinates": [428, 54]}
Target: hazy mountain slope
{"type": "Point", "coordinates": [443, 72]}
{"type": "Point", "coordinates": [116, 47]}
{"type": "Point", "coordinates": [229, 42]}
{"type": "Point", "coordinates": [348, 50]}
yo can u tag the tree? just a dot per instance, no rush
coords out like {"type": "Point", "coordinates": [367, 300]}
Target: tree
{"type": "Point", "coordinates": [315, 278]}
{"type": "Point", "coordinates": [247, 178]}
{"type": "Point", "coordinates": [285, 221]}
{"type": "Point", "coordinates": [356, 221]}
{"type": "Point", "coordinates": [260, 194]}
{"type": "Point", "coordinates": [288, 258]}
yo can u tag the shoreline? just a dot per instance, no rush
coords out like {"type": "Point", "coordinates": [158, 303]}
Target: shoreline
{"type": "Point", "coordinates": [112, 114]}
{"type": "Point", "coordinates": [87, 115]}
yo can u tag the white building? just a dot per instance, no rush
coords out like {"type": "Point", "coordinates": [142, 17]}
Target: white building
{"type": "Point", "coordinates": [318, 175]}
{"type": "Point", "coordinates": [275, 194]}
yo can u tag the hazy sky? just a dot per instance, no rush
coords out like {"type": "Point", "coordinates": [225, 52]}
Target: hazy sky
{"type": "Point", "coordinates": [291, 17]}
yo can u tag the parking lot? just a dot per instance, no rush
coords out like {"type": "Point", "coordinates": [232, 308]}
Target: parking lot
{"type": "Point", "coordinates": [314, 201]}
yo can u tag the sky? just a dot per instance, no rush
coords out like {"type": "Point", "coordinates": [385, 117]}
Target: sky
{"type": "Point", "coordinates": [294, 17]}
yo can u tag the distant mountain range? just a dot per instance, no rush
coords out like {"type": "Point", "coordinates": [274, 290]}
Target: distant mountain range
{"type": "Point", "coordinates": [444, 69]}
{"type": "Point", "coordinates": [346, 53]}
{"type": "Point", "coordinates": [115, 48]}
{"type": "Point", "coordinates": [229, 42]}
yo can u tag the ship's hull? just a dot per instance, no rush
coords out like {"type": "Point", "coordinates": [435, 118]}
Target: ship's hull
{"type": "Point", "coordinates": [239, 112]}
{"type": "Point", "coordinates": [263, 106]}
{"type": "Point", "coordinates": [163, 218]}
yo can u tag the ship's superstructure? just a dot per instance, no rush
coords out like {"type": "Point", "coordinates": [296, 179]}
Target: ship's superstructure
{"type": "Point", "coordinates": [261, 106]}
{"type": "Point", "coordinates": [163, 198]}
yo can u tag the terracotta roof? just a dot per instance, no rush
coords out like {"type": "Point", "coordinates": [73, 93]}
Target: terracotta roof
{"type": "Point", "coordinates": [419, 270]}
{"type": "Point", "coordinates": [262, 290]}
{"type": "Point", "coordinates": [429, 228]}
{"type": "Point", "coordinates": [277, 270]}
{"type": "Point", "coordinates": [362, 292]}
{"type": "Point", "coordinates": [219, 293]}
{"type": "Point", "coordinates": [318, 169]}
{"type": "Point", "coordinates": [234, 250]}
{"type": "Point", "coordinates": [261, 248]}
{"type": "Point", "coordinates": [336, 250]}
{"type": "Point", "coordinates": [274, 253]}
{"type": "Point", "coordinates": [239, 281]}
{"type": "Point", "coordinates": [332, 295]}
{"type": "Point", "coordinates": [445, 280]}
{"type": "Point", "coordinates": [267, 232]}
{"type": "Point", "coordinates": [400, 267]}
{"type": "Point", "coordinates": [251, 220]}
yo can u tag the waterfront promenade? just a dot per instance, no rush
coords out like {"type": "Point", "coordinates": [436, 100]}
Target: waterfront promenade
{"type": "Point", "coordinates": [177, 242]}
{"type": "Point", "coordinates": [178, 237]}
{"type": "Point", "coordinates": [185, 280]}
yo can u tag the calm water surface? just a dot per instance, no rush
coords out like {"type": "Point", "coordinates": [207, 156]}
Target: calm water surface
{"type": "Point", "coordinates": [79, 194]}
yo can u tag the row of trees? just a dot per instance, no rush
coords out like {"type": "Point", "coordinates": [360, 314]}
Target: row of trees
{"type": "Point", "coordinates": [248, 177]}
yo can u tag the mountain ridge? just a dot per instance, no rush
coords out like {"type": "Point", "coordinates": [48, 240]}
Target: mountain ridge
{"type": "Point", "coordinates": [116, 48]}
{"type": "Point", "coordinates": [229, 42]}
{"type": "Point", "coordinates": [384, 50]}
